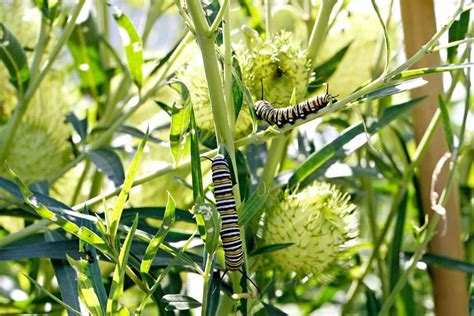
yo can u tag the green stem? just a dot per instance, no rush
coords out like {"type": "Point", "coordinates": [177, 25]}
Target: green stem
{"type": "Point", "coordinates": [318, 34]}
{"type": "Point", "coordinates": [223, 12]}
{"type": "Point", "coordinates": [385, 36]}
{"type": "Point", "coordinates": [420, 250]}
{"type": "Point", "coordinates": [277, 150]}
{"type": "Point", "coordinates": [25, 232]}
{"type": "Point", "coordinates": [229, 98]}
{"type": "Point", "coordinates": [40, 47]}
{"type": "Point", "coordinates": [12, 125]}
{"type": "Point", "coordinates": [78, 189]}
{"type": "Point", "coordinates": [268, 18]}
{"type": "Point", "coordinates": [207, 276]}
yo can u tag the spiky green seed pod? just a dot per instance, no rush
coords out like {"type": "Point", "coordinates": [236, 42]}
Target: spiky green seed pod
{"type": "Point", "coordinates": [40, 146]}
{"type": "Point", "coordinates": [280, 64]}
{"type": "Point", "coordinates": [193, 75]}
{"type": "Point", "coordinates": [319, 220]}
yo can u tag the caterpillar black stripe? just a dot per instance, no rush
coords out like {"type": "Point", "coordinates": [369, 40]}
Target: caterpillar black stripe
{"type": "Point", "coordinates": [289, 114]}
{"type": "Point", "coordinates": [225, 203]}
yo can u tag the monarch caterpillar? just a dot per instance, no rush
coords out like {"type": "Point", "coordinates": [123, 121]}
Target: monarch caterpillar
{"type": "Point", "coordinates": [225, 204]}
{"type": "Point", "coordinates": [289, 114]}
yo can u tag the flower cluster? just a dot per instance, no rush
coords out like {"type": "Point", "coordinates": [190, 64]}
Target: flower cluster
{"type": "Point", "coordinates": [319, 220]}
{"type": "Point", "coordinates": [277, 67]}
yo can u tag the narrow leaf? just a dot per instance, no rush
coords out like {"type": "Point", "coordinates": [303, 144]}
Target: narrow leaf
{"type": "Point", "coordinates": [326, 69]}
{"type": "Point", "coordinates": [132, 43]}
{"type": "Point", "coordinates": [448, 132]}
{"type": "Point", "coordinates": [14, 58]}
{"type": "Point", "coordinates": [270, 248]}
{"type": "Point", "coordinates": [83, 44]}
{"type": "Point", "coordinates": [180, 122]}
{"type": "Point", "coordinates": [80, 126]}
{"type": "Point", "coordinates": [86, 290]}
{"type": "Point", "coordinates": [52, 249]}
{"type": "Point", "coordinates": [109, 163]}
{"type": "Point", "coordinates": [457, 31]}
{"type": "Point", "coordinates": [350, 140]}
{"type": "Point", "coordinates": [415, 73]}
{"type": "Point", "coordinates": [251, 207]}
{"type": "Point", "coordinates": [198, 188]}
{"type": "Point", "coordinates": [57, 300]}
{"type": "Point", "coordinates": [65, 274]}
{"type": "Point", "coordinates": [113, 218]}
{"type": "Point", "coordinates": [271, 310]}
{"type": "Point", "coordinates": [179, 302]}
{"type": "Point", "coordinates": [116, 289]}
{"type": "Point", "coordinates": [154, 244]}
{"type": "Point", "coordinates": [394, 89]}
{"type": "Point", "coordinates": [82, 233]}
{"type": "Point", "coordinates": [237, 93]}
{"type": "Point", "coordinates": [442, 261]}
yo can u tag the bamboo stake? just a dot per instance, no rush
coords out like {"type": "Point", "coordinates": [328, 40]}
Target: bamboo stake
{"type": "Point", "coordinates": [449, 286]}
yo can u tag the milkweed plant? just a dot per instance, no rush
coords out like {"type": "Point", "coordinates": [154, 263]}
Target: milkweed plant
{"type": "Point", "coordinates": [110, 116]}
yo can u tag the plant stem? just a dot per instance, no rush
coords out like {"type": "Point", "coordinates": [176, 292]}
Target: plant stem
{"type": "Point", "coordinates": [229, 98]}
{"type": "Point", "coordinates": [430, 230]}
{"type": "Point", "coordinates": [12, 125]}
{"type": "Point", "coordinates": [318, 34]}
{"type": "Point", "coordinates": [276, 151]}
{"type": "Point", "coordinates": [40, 46]}
{"type": "Point", "coordinates": [268, 18]}
{"type": "Point", "coordinates": [207, 276]}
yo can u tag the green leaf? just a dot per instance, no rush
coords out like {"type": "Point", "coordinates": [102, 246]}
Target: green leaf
{"type": "Point", "coordinates": [179, 302]}
{"type": "Point", "coordinates": [271, 310]}
{"type": "Point", "coordinates": [80, 126]}
{"type": "Point", "coordinates": [155, 212]}
{"type": "Point", "coordinates": [180, 122]}
{"type": "Point", "coordinates": [442, 261]}
{"type": "Point", "coordinates": [394, 89]}
{"type": "Point", "coordinates": [243, 174]}
{"type": "Point", "coordinates": [154, 244]}
{"type": "Point", "coordinates": [118, 279]}
{"type": "Point", "coordinates": [198, 188]}
{"type": "Point", "coordinates": [14, 58]}
{"type": "Point", "coordinates": [326, 69]}
{"type": "Point", "coordinates": [448, 132]}
{"type": "Point", "coordinates": [133, 131]}
{"type": "Point", "coordinates": [109, 163]}
{"type": "Point", "coordinates": [132, 43]}
{"type": "Point", "coordinates": [255, 19]}
{"type": "Point", "coordinates": [237, 93]}
{"type": "Point", "coordinates": [113, 218]}
{"type": "Point", "coordinates": [457, 31]}
{"type": "Point", "coordinates": [92, 270]}
{"type": "Point", "coordinates": [372, 304]}
{"type": "Point", "coordinates": [270, 248]}
{"type": "Point", "coordinates": [86, 290]}
{"type": "Point", "coordinates": [212, 225]}
{"type": "Point", "coordinates": [396, 244]}
{"type": "Point", "coordinates": [51, 249]}
{"type": "Point", "coordinates": [65, 275]}
{"type": "Point", "coordinates": [251, 207]}
{"type": "Point", "coordinates": [83, 44]}
{"type": "Point", "coordinates": [415, 73]}
{"type": "Point", "coordinates": [350, 140]}
{"type": "Point", "coordinates": [57, 300]}
{"type": "Point", "coordinates": [82, 233]}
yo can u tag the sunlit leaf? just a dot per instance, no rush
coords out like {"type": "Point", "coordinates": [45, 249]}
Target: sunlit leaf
{"type": "Point", "coordinates": [180, 302]}
{"type": "Point", "coordinates": [116, 289]}
{"type": "Point", "coordinates": [86, 290]}
{"type": "Point", "coordinates": [132, 43]}
{"type": "Point", "coordinates": [180, 122]}
{"type": "Point", "coordinates": [212, 225]}
{"type": "Point", "coordinates": [152, 248]}
{"type": "Point", "coordinates": [113, 218]}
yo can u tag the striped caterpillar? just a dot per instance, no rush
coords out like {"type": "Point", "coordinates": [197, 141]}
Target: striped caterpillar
{"type": "Point", "coordinates": [230, 230]}
{"type": "Point", "coordinates": [289, 114]}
